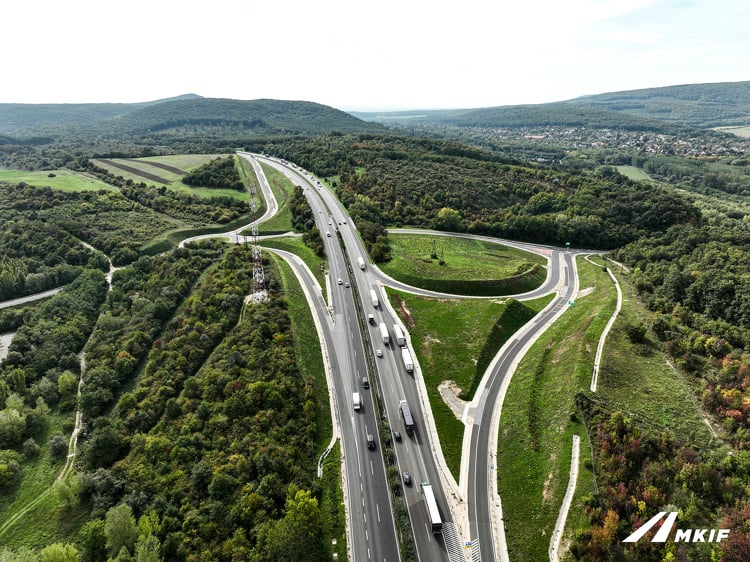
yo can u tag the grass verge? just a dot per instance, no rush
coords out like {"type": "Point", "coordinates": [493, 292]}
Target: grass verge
{"type": "Point", "coordinates": [469, 267]}
{"type": "Point", "coordinates": [282, 190]}
{"type": "Point", "coordinates": [539, 419]}
{"type": "Point", "coordinates": [456, 340]}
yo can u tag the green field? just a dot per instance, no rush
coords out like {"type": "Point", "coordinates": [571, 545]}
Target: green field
{"type": "Point", "coordinates": [144, 170]}
{"type": "Point", "coordinates": [456, 340]}
{"type": "Point", "coordinates": [471, 267]}
{"type": "Point", "coordinates": [634, 173]}
{"type": "Point", "coordinates": [282, 190]}
{"type": "Point", "coordinates": [66, 180]}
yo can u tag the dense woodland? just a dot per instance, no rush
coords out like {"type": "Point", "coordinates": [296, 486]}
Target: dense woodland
{"type": "Point", "coordinates": [220, 173]}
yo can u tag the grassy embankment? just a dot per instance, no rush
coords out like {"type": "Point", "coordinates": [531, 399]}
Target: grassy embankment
{"type": "Point", "coordinates": [470, 267]}
{"type": "Point", "coordinates": [539, 416]}
{"type": "Point", "coordinates": [455, 339]}
{"type": "Point", "coordinates": [282, 190]}
{"type": "Point", "coordinates": [310, 362]}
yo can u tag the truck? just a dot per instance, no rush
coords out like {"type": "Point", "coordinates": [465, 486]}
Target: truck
{"type": "Point", "coordinates": [384, 333]}
{"type": "Point", "coordinates": [361, 262]}
{"type": "Point", "coordinates": [374, 298]}
{"type": "Point", "coordinates": [357, 400]}
{"type": "Point", "coordinates": [406, 358]}
{"type": "Point", "coordinates": [406, 414]}
{"type": "Point", "coordinates": [400, 339]}
{"type": "Point", "coordinates": [431, 506]}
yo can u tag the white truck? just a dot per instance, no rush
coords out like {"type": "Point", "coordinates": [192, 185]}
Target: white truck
{"type": "Point", "coordinates": [374, 298]}
{"type": "Point", "coordinates": [406, 358]}
{"type": "Point", "coordinates": [361, 262]}
{"type": "Point", "coordinates": [384, 333]}
{"type": "Point", "coordinates": [400, 339]}
{"type": "Point", "coordinates": [357, 400]}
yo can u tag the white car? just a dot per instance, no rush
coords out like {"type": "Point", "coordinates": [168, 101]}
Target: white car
{"type": "Point", "coordinates": [340, 281]}
{"type": "Point", "coordinates": [379, 353]}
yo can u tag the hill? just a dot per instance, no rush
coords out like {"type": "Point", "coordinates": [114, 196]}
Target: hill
{"type": "Point", "coordinates": [19, 117]}
{"type": "Point", "coordinates": [184, 116]}
{"type": "Point", "coordinates": [670, 109]}
{"type": "Point", "coordinates": [694, 105]}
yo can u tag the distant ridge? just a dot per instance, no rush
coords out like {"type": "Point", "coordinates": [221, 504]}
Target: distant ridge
{"type": "Point", "coordinates": [664, 109]}
{"type": "Point", "coordinates": [182, 115]}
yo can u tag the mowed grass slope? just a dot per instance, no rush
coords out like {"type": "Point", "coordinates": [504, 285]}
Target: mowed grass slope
{"type": "Point", "coordinates": [66, 180]}
{"type": "Point", "coordinates": [455, 340]}
{"type": "Point", "coordinates": [471, 267]}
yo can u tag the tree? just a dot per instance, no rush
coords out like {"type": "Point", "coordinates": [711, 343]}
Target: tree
{"type": "Point", "coordinates": [120, 529]}
{"type": "Point", "coordinates": [12, 427]}
{"type": "Point", "coordinates": [447, 219]}
{"type": "Point", "coordinates": [299, 535]}
{"type": "Point", "coordinates": [58, 447]}
{"type": "Point", "coordinates": [93, 541]}
{"type": "Point", "coordinates": [147, 549]}
{"type": "Point", "coordinates": [59, 552]}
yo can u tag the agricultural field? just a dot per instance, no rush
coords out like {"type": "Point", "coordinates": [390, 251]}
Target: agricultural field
{"type": "Point", "coordinates": [65, 180]}
{"type": "Point", "coordinates": [166, 171]}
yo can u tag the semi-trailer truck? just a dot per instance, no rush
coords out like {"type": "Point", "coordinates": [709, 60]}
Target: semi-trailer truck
{"type": "Point", "coordinates": [406, 414]}
{"type": "Point", "coordinates": [400, 339]}
{"type": "Point", "coordinates": [374, 298]}
{"type": "Point", "coordinates": [406, 358]}
{"type": "Point", "coordinates": [384, 332]}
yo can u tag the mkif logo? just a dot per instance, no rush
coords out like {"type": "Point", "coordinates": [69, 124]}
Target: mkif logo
{"type": "Point", "coordinates": [682, 535]}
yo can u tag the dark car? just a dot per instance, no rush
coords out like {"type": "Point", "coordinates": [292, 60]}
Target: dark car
{"type": "Point", "coordinates": [407, 479]}
{"type": "Point", "coordinates": [365, 383]}
{"type": "Point", "coordinates": [370, 441]}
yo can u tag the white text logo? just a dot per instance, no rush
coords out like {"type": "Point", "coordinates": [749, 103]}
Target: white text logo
{"type": "Point", "coordinates": [682, 535]}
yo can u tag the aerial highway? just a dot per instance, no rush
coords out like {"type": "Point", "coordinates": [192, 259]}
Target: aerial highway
{"type": "Point", "coordinates": [351, 351]}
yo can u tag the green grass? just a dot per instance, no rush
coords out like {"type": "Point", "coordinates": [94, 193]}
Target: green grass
{"type": "Point", "coordinates": [48, 521]}
{"type": "Point", "coordinates": [297, 246]}
{"type": "Point", "coordinates": [65, 180]}
{"type": "Point", "coordinates": [471, 267]}
{"type": "Point", "coordinates": [307, 349]}
{"type": "Point", "coordinates": [184, 162]}
{"type": "Point", "coordinates": [661, 400]}
{"type": "Point", "coordinates": [537, 422]}
{"type": "Point", "coordinates": [283, 190]}
{"type": "Point", "coordinates": [455, 340]}
{"type": "Point", "coordinates": [634, 173]}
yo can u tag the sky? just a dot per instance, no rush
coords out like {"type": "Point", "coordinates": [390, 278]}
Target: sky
{"type": "Point", "coordinates": [356, 55]}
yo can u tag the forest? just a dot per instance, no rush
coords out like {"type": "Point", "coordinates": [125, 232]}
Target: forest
{"type": "Point", "coordinates": [400, 180]}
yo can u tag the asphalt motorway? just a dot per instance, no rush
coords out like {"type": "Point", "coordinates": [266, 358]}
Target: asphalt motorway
{"type": "Point", "coordinates": [372, 527]}
{"type": "Point", "coordinates": [390, 385]}
{"type": "Point", "coordinates": [482, 474]}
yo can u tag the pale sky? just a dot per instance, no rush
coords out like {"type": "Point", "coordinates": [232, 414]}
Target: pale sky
{"type": "Point", "coordinates": [355, 55]}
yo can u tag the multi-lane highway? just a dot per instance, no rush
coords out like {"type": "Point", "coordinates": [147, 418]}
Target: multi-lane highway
{"type": "Point", "coordinates": [352, 343]}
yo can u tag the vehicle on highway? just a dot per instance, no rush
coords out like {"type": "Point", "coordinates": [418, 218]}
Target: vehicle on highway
{"type": "Point", "coordinates": [357, 401]}
{"type": "Point", "coordinates": [433, 513]}
{"type": "Point", "coordinates": [328, 233]}
{"type": "Point", "coordinates": [370, 441]}
{"type": "Point", "coordinates": [397, 436]}
{"type": "Point", "coordinates": [406, 414]}
{"type": "Point", "coordinates": [407, 360]}
{"type": "Point", "coordinates": [379, 352]}
{"type": "Point", "coordinates": [361, 262]}
{"type": "Point", "coordinates": [384, 333]}
{"type": "Point", "coordinates": [400, 338]}
{"type": "Point", "coordinates": [365, 382]}
{"type": "Point", "coordinates": [374, 298]}
{"type": "Point", "coordinates": [371, 319]}
{"type": "Point", "coordinates": [346, 284]}
{"type": "Point", "coordinates": [340, 281]}
{"type": "Point", "coordinates": [407, 478]}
